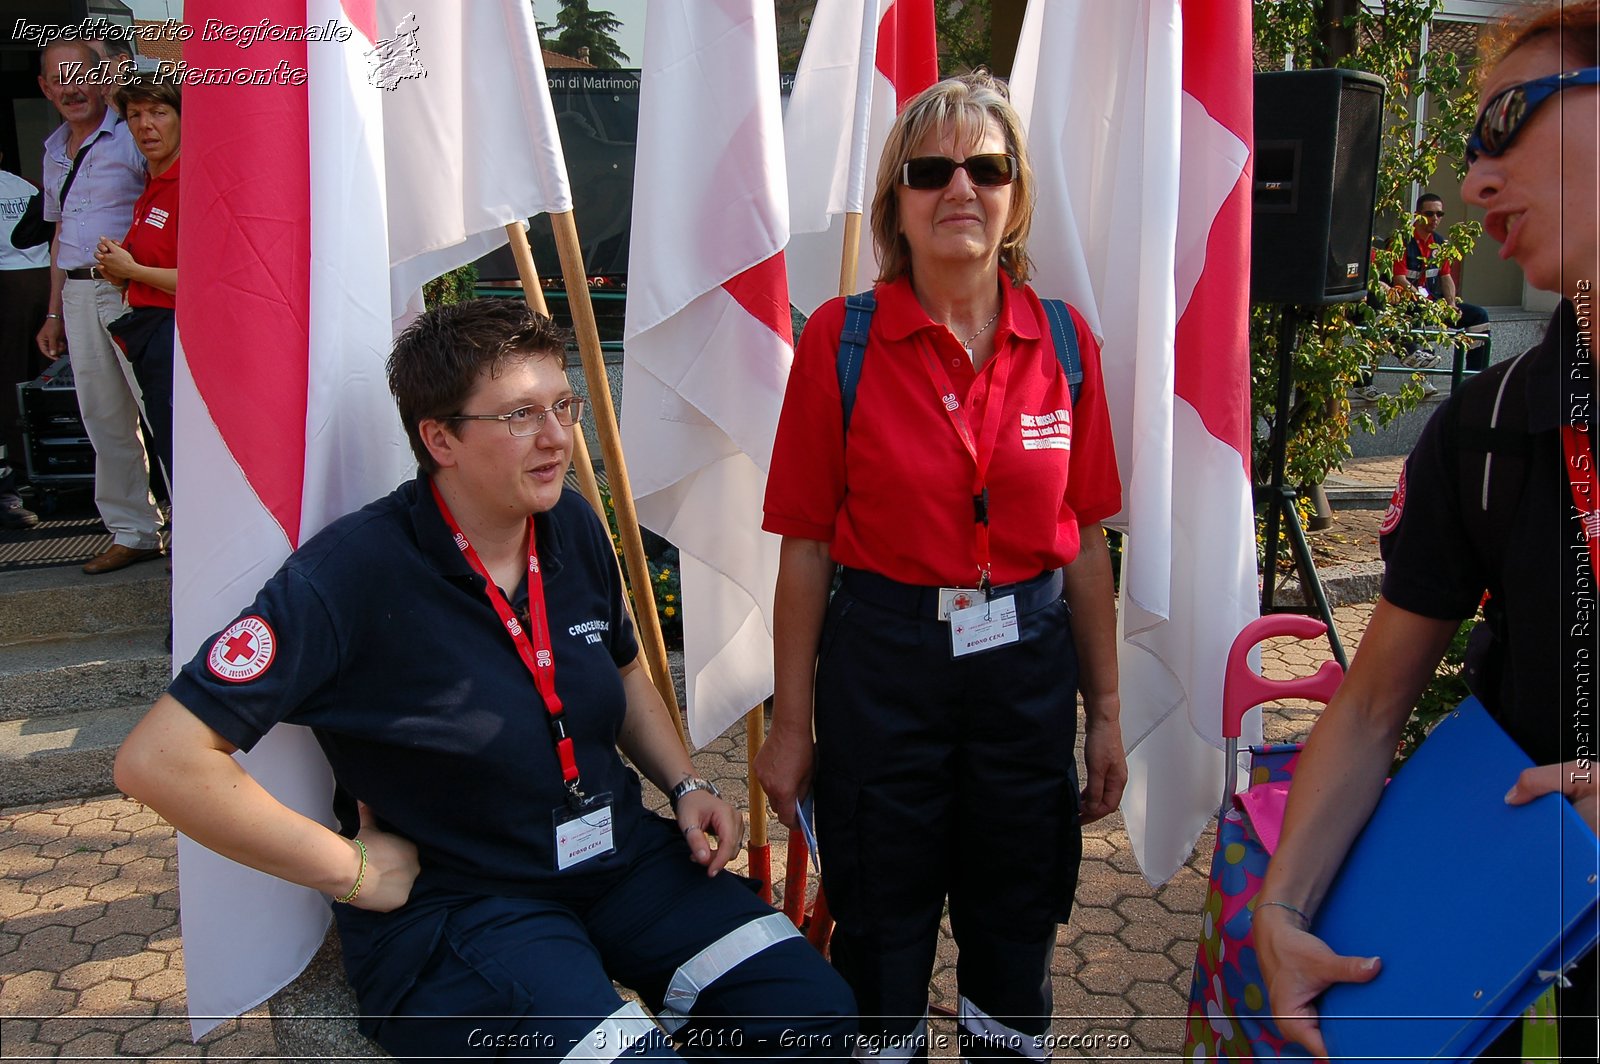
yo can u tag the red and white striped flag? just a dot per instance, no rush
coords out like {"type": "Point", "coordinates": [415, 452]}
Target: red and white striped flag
{"type": "Point", "coordinates": [863, 61]}
{"type": "Point", "coordinates": [296, 197]}
{"type": "Point", "coordinates": [707, 338]}
{"type": "Point", "coordinates": [1139, 123]}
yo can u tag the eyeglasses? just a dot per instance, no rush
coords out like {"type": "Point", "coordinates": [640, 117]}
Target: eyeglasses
{"type": "Point", "coordinates": [528, 420]}
{"type": "Point", "coordinates": [1504, 115]}
{"type": "Point", "coordinates": [1431, 214]}
{"type": "Point", "coordinates": [989, 170]}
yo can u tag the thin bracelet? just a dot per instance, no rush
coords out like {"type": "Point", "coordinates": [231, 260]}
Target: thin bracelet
{"type": "Point", "coordinates": [360, 876]}
{"type": "Point", "coordinates": [1259, 906]}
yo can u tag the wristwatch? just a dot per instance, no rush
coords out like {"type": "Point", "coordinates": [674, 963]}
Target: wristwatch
{"type": "Point", "coordinates": [692, 783]}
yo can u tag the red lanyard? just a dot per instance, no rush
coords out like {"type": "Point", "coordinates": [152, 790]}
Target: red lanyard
{"type": "Point", "coordinates": [535, 650]}
{"type": "Point", "coordinates": [981, 447]}
{"type": "Point", "coordinates": [1581, 479]}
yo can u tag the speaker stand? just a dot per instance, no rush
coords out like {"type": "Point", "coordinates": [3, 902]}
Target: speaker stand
{"type": "Point", "coordinates": [1280, 502]}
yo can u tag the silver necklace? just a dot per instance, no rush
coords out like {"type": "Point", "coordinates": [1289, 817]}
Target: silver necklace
{"type": "Point", "coordinates": [967, 343]}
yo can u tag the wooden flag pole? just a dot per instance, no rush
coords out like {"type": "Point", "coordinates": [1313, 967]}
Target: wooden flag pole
{"type": "Point", "coordinates": [605, 419]}
{"type": "Point", "coordinates": [760, 870]}
{"type": "Point", "coordinates": [533, 292]}
{"type": "Point", "coordinates": [847, 263]}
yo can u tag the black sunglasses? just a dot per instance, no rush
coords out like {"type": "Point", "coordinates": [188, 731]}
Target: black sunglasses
{"type": "Point", "coordinates": [935, 171]}
{"type": "Point", "coordinates": [1503, 116]}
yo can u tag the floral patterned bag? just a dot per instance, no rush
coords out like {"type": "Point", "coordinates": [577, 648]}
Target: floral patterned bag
{"type": "Point", "coordinates": [1229, 1017]}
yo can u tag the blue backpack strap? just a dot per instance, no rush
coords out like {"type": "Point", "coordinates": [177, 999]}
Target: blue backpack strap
{"type": "Point", "coordinates": [853, 347]}
{"type": "Point", "coordinates": [1065, 334]}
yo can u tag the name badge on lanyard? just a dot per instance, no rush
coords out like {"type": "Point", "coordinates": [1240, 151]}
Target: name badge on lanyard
{"type": "Point", "coordinates": [977, 621]}
{"type": "Point", "coordinates": [582, 826]}
{"type": "Point", "coordinates": [583, 833]}
{"type": "Point", "coordinates": [985, 626]}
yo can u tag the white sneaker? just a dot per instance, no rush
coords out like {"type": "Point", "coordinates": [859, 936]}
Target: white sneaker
{"type": "Point", "coordinates": [1429, 388]}
{"type": "Point", "coordinates": [1370, 393]}
{"type": "Point", "coordinates": [1420, 359]}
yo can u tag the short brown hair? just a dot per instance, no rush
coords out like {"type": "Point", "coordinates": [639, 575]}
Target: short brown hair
{"type": "Point", "coordinates": [1576, 27]}
{"type": "Point", "coordinates": [436, 361]}
{"type": "Point", "coordinates": [84, 49]}
{"type": "Point", "coordinates": [963, 106]}
{"type": "Point", "coordinates": [147, 88]}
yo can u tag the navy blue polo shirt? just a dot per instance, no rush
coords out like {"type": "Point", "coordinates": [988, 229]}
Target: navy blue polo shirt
{"type": "Point", "coordinates": [1540, 577]}
{"type": "Point", "coordinates": [378, 636]}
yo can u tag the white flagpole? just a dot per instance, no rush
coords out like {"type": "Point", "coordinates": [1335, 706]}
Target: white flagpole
{"type": "Point", "coordinates": [855, 192]}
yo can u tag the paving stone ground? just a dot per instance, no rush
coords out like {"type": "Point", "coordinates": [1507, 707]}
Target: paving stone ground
{"type": "Point", "coordinates": [91, 962]}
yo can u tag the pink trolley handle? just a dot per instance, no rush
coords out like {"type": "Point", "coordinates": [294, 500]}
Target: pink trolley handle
{"type": "Point", "coordinates": [1243, 689]}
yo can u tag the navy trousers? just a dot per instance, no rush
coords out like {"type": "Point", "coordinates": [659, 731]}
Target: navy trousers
{"type": "Point", "coordinates": [941, 777]}
{"type": "Point", "coordinates": [463, 976]}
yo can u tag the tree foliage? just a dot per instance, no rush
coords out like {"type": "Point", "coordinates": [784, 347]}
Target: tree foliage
{"type": "Point", "coordinates": [963, 30]}
{"type": "Point", "coordinates": [579, 25]}
{"type": "Point", "coordinates": [1338, 345]}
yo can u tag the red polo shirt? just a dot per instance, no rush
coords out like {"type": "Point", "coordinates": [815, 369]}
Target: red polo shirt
{"type": "Point", "coordinates": [898, 500]}
{"type": "Point", "coordinates": [153, 239]}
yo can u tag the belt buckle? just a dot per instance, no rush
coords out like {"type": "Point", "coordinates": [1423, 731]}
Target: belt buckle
{"type": "Point", "coordinates": [958, 598]}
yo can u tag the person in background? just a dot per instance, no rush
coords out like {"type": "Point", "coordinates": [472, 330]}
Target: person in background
{"type": "Point", "coordinates": [1533, 160]}
{"type": "Point", "coordinates": [942, 678]}
{"type": "Point", "coordinates": [108, 179]}
{"type": "Point", "coordinates": [1427, 273]}
{"type": "Point", "coordinates": [24, 294]}
{"type": "Point", "coordinates": [146, 262]}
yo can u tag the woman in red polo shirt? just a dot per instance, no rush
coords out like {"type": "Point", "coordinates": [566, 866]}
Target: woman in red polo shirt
{"type": "Point", "coordinates": [146, 262]}
{"type": "Point", "coordinates": [970, 480]}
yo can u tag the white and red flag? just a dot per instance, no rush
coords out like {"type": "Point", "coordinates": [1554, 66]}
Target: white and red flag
{"type": "Point", "coordinates": [707, 338]}
{"type": "Point", "coordinates": [863, 61]}
{"type": "Point", "coordinates": [1139, 124]}
{"type": "Point", "coordinates": [297, 195]}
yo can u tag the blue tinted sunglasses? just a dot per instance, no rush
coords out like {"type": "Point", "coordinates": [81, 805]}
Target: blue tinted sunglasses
{"type": "Point", "coordinates": [1503, 116]}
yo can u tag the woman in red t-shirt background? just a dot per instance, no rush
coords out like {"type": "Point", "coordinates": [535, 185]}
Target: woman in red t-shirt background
{"type": "Point", "coordinates": [146, 262]}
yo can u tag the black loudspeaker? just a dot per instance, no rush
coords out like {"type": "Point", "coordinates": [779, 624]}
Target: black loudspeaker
{"type": "Point", "coordinates": [1316, 178]}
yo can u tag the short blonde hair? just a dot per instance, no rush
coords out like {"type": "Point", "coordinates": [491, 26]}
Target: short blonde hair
{"type": "Point", "coordinates": [962, 106]}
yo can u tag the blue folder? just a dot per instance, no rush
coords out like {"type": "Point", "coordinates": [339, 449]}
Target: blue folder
{"type": "Point", "coordinates": [1475, 906]}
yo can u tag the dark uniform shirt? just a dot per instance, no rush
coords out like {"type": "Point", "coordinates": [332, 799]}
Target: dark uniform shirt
{"type": "Point", "coordinates": [378, 636]}
{"type": "Point", "coordinates": [1539, 683]}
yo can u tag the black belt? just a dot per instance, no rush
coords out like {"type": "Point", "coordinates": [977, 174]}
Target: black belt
{"type": "Point", "coordinates": [87, 273]}
{"type": "Point", "coordinates": [915, 600]}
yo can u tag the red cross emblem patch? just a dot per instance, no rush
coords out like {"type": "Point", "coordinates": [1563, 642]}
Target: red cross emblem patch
{"type": "Point", "coordinates": [243, 650]}
{"type": "Point", "coordinates": [1397, 505]}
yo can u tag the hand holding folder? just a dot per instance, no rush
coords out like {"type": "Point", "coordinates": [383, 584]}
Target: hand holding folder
{"type": "Point", "coordinates": [1475, 906]}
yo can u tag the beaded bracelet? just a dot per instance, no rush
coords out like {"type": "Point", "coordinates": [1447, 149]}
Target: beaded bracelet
{"type": "Point", "coordinates": [360, 875]}
{"type": "Point", "coordinates": [1284, 905]}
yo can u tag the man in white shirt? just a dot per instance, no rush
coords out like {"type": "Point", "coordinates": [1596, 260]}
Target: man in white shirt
{"type": "Point", "coordinates": [24, 295]}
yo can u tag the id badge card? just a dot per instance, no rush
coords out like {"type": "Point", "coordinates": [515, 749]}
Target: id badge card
{"type": "Point", "coordinates": [583, 833]}
{"type": "Point", "coordinates": [983, 627]}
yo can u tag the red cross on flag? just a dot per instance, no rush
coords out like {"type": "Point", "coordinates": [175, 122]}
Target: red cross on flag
{"type": "Point", "coordinates": [299, 194]}
{"type": "Point", "coordinates": [863, 61]}
{"type": "Point", "coordinates": [1139, 123]}
{"type": "Point", "coordinates": [707, 340]}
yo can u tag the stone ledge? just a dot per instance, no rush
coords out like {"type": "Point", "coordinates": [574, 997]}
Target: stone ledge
{"type": "Point", "coordinates": [314, 1017]}
{"type": "Point", "coordinates": [1344, 585]}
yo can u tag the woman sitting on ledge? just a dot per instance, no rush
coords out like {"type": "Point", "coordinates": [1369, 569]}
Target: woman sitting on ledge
{"type": "Point", "coordinates": [462, 651]}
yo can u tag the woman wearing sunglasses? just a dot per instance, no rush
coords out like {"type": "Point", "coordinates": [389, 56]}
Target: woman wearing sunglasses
{"type": "Point", "coordinates": [962, 501]}
{"type": "Point", "coordinates": [1533, 164]}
